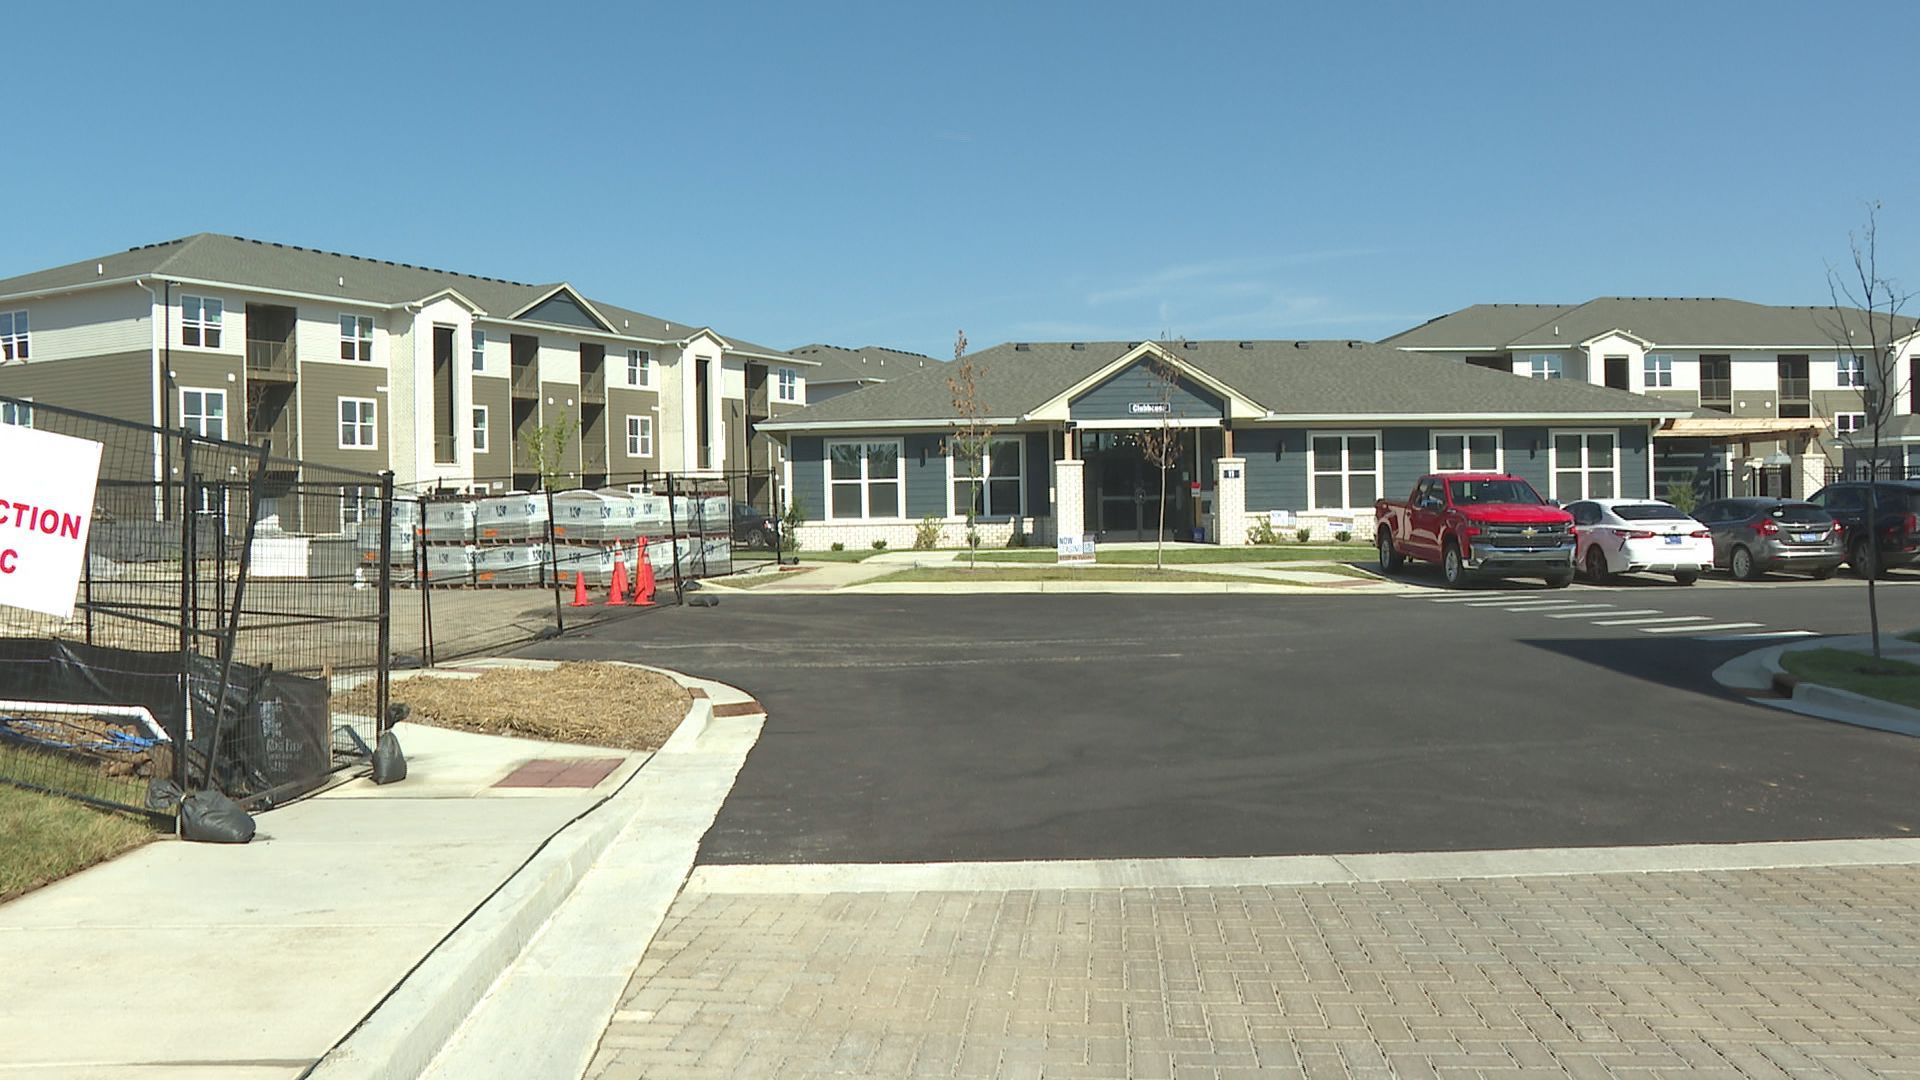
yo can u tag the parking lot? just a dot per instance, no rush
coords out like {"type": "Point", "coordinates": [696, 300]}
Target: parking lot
{"type": "Point", "coordinates": [1082, 726]}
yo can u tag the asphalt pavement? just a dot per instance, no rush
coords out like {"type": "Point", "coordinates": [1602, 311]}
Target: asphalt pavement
{"type": "Point", "coordinates": [956, 727]}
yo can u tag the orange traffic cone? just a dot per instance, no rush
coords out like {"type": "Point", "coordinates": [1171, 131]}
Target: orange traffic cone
{"type": "Point", "coordinates": [580, 590]}
{"type": "Point", "coordinates": [617, 595]}
{"type": "Point", "coordinates": [643, 579]}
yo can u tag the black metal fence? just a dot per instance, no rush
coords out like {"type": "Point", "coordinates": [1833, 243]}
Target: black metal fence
{"type": "Point", "coordinates": [220, 611]}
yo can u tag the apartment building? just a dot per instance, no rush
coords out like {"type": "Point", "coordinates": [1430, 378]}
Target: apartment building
{"type": "Point", "coordinates": [369, 364]}
{"type": "Point", "coordinates": [1777, 391]}
{"type": "Point", "coordinates": [843, 370]}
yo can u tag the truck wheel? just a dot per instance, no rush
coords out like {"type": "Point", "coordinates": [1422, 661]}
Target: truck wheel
{"type": "Point", "coordinates": [1560, 580]}
{"type": "Point", "coordinates": [1453, 568]}
{"type": "Point", "coordinates": [1597, 571]}
{"type": "Point", "coordinates": [1390, 560]}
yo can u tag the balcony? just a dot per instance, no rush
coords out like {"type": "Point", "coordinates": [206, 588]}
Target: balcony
{"type": "Point", "coordinates": [271, 361]}
{"type": "Point", "coordinates": [593, 385]}
{"type": "Point", "coordinates": [526, 381]}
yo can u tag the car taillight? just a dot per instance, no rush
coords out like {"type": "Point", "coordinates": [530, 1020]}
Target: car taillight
{"type": "Point", "coordinates": [1636, 534]}
{"type": "Point", "coordinates": [1766, 527]}
{"type": "Point", "coordinates": [1839, 527]}
{"type": "Point", "coordinates": [1910, 524]}
{"type": "Point", "coordinates": [1701, 534]}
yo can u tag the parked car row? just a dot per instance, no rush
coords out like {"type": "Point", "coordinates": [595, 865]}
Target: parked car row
{"type": "Point", "coordinates": [1491, 525]}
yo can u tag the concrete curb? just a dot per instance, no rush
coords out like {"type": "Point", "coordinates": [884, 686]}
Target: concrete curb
{"type": "Point", "coordinates": [1170, 588]}
{"type": "Point", "coordinates": [1761, 671]}
{"type": "Point", "coordinates": [403, 1033]}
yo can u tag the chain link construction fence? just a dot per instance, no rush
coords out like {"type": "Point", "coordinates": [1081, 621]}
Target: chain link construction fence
{"type": "Point", "coordinates": [220, 607]}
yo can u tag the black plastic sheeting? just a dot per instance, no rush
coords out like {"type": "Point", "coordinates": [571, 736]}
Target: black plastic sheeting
{"type": "Point", "coordinates": [275, 728]}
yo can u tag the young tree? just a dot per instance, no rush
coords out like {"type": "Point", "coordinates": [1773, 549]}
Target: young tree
{"type": "Point", "coordinates": [1160, 444]}
{"type": "Point", "coordinates": [545, 448]}
{"type": "Point", "coordinates": [1868, 322]}
{"type": "Point", "coordinates": [971, 437]}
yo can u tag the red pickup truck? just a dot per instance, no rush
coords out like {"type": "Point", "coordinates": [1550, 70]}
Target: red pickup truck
{"type": "Point", "coordinates": [1475, 525]}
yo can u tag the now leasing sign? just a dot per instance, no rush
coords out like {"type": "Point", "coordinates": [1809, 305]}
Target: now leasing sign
{"type": "Point", "coordinates": [46, 506]}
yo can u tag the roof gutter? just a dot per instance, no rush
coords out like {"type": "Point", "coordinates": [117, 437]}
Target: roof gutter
{"type": "Point", "coordinates": [105, 283]}
{"type": "Point", "coordinates": [1466, 418]}
{"type": "Point", "coordinates": [883, 425]}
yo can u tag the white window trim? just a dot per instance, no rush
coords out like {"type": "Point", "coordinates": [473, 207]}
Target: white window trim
{"type": "Point", "coordinates": [1553, 362]}
{"type": "Point", "coordinates": [1346, 473]}
{"type": "Point", "coordinates": [482, 429]}
{"type": "Point", "coordinates": [180, 329]}
{"type": "Point", "coordinates": [1840, 371]}
{"type": "Point", "coordinates": [640, 374]}
{"type": "Point", "coordinates": [1433, 449]}
{"type": "Point", "coordinates": [1553, 462]}
{"type": "Point", "coordinates": [954, 513]}
{"type": "Point", "coordinates": [18, 337]}
{"type": "Point", "coordinates": [204, 393]}
{"type": "Point", "coordinates": [866, 483]}
{"type": "Point", "coordinates": [1656, 371]}
{"type": "Point", "coordinates": [477, 349]}
{"type": "Point", "coordinates": [786, 385]}
{"type": "Point", "coordinates": [368, 419]}
{"type": "Point", "coordinates": [639, 443]}
{"type": "Point", "coordinates": [27, 402]}
{"type": "Point", "coordinates": [356, 339]}
{"type": "Point", "coordinates": [1860, 423]}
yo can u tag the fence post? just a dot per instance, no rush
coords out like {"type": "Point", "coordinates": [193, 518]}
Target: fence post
{"type": "Point", "coordinates": [385, 632]}
{"type": "Point", "coordinates": [673, 540]}
{"type": "Point", "coordinates": [232, 633]}
{"type": "Point", "coordinates": [423, 579]}
{"type": "Point", "coordinates": [553, 566]}
{"type": "Point", "coordinates": [187, 561]}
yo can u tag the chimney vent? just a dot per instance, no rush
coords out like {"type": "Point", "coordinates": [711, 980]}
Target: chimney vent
{"type": "Point", "coordinates": [1020, 346]}
{"type": "Point", "coordinates": [1078, 346]}
{"type": "Point", "coordinates": [1246, 344]}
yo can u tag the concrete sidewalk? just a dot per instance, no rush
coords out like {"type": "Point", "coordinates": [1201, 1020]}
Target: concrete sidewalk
{"type": "Point", "coordinates": [1760, 674]}
{"type": "Point", "coordinates": [256, 961]}
{"type": "Point", "coordinates": [1259, 577]}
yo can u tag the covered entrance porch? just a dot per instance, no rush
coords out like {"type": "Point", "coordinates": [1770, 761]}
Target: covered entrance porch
{"type": "Point", "coordinates": [1121, 498]}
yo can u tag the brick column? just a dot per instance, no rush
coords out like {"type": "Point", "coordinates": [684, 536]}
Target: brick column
{"type": "Point", "coordinates": [1069, 506]}
{"type": "Point", "coordinates": [1230, 501]}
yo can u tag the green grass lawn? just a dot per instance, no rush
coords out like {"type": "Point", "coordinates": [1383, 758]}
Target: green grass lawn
{"type": "Point", "coordinates": [1889, 680]}
{"type": "Point", "coordinates": [44, 838]}
{"type": "Point", "coordinates": [1191, 554]}
{"type": "Point", "coordinates": [836, 556]}
{"type": "Point", "coordinates": [764, 577]}
{"type": "Point", "coordinates": [986, 573]}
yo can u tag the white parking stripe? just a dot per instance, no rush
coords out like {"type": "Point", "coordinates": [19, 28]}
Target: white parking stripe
{"type": "Point", "coordinates": [1516, 604]}
{"type": "Point", "coordinates": [1698, 629]}
{"type": "Point", "coordinates": [1470, 598]}
{"type": "Point", "coordinates": [1587, 611]}
{"type": "Point", "coordinates": [1667, 619]}
{"type": "Point", "coordinates": [1599, 614]}
{"type": "Point", "coordinates": [1542, 606]}
{"type": "Point", "coordinates": [1757, 637]}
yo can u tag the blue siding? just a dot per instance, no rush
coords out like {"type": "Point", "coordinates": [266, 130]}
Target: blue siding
{"type": "Point", "coordinates": [1110, 399]}
{"type": "Point", "coordinates": [562, 311]}
{"type": "Point", "coordinates": [1039, 473]}
{"type": "Point", "coordinates": [926, 473]}
{"type": "Point", "coordinates": [809, 475]}
{"type": "Point", "coordinates": [1529, 455]}
{"type": "Point", "coordinates": [1276, 467]}
{"type": "Point", "coordinates": [1407, 458]}
{"type": "Point", "coordinates": [1633, 462]}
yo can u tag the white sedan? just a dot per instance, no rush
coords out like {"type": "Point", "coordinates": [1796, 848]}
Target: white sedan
{"type": "Point", "coordinates": [1627, 536]}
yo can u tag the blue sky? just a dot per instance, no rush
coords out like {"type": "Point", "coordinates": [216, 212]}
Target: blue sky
{"type": "Point", "coordinates": [887, 173]}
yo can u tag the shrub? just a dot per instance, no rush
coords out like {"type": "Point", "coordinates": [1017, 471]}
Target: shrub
{"type": "Point", "coordinates": [1017, 538]}
{"type": "Point", "coordinates": [1303, 535]}
{"type": "Point", "coordinates": [880, 545]}
{"type": "Point", "coordinates": [926, 535]}
{"type": "Point", "coordinates": [1343, 536]}
{"type": "Point", "coordinates": [838, 546]}
{"type": "Point", "coordinates": [1261, 532]}
{"type": "Point", "coordinates": [1683, 498]}
{"type": "Point", "coordinates": [790, 523]}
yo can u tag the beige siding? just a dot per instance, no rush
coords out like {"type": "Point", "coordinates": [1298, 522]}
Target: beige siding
{"type": "Point", "coordinates": [559, 400]}
{"type": "Point", "coordinates": [102, 322]}
{"type": "Point", "coordinates": [119, 386]}
{"type": "Point", "coordinates": [321, 388]}
{"type": "Point", "coordinates": [497, 463]}
{"type": "Point", "coordinates": [622, 403]}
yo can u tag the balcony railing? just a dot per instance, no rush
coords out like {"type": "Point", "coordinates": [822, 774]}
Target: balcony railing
{"type": "Point", "coordinates": [526, 380]}
{"type": "Point", "coordinates": [593, 384]}
{"type": "Point", "coordinates": [270, 359]}
{"type": "Point", "coordinates": [1795, 389]}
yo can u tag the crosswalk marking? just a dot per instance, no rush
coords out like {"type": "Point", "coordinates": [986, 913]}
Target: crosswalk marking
{"type": "Point", "coordinates": [1592, 611]}
{"type": "Point", "coordinates": [1697, 629]}
{"type": "Point", "coordinates": [1665, 619]}
{"type": "Point", "coordinates": [1469, 598]}
{"type": "Point", "coordinates": [1756, 636]}
{"type": "Point", "coordinates": [1526, 605]}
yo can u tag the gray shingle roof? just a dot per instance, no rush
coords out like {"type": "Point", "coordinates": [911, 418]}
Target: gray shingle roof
{"type": "Point", "coordinates": [1288, 378]}
{"type": "Point", "coordinates": [1666, 321]}
{"type": "Point", "coordinates": [871, 363]}
{"type": "Point", "coordinates": [288, 268]}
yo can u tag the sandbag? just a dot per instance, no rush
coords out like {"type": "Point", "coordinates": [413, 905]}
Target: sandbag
{"type": "Point", "coordinates": [389, 763]}
{"type": "Point", "coordinates": [209, 817]}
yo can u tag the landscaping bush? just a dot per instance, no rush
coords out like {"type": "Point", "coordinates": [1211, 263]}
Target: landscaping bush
{"type": "Point", "coordinates": [1017, 538]}
{"type": "Point", "coordinates": [1303, 535]}
{"type": "Point", "coordinates": [1261, 532]}
{"type": "Point", "coordinates": [790, 523]}
{"type": "Point", "coordinates": [1343, 536]}
{"type": "Point", "coordinates": [880, 545]}
{"type": "Point", "coordinates": [926, 535]}
{"type": "Point", "coordinates": [838, 546]}
{"type": "Point", "coordinates": [1683, 498]}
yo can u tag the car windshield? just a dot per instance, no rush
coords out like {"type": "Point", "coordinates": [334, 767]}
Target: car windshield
{"type": "Point", "coordinates": [1471, 492]}
{"type": "Point", "coordinates": [1899, 500]}
{"type": "Point", "coordinates": [1648, 512]}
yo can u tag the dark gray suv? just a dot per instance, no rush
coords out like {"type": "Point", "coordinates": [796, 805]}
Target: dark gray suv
{"type": "Point", "coordinates": [1754, 536]}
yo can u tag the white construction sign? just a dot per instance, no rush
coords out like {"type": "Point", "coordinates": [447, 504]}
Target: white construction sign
{"type": "Point", "coordinates": [46, 507]}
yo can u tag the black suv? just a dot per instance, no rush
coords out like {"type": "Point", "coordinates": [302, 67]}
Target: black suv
{"type": "Point", "coordinates": [1897, 527]}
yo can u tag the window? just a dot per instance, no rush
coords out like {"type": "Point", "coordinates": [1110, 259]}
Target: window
{"type": "Point", "coordinates": [1544, 366]}
{"type": "Point", "coordinates": [204, 412]}
{"type": "Point", "coordinates": [1846, 423]}
{"type": "Point", "coordinates": [864, 480]}
{"type": "Point", "coordinates": [1346, 471]}
{"type": "Point", "coordinates": [1466, 451]}
{"type": "Point", "coordinates": [200, 321]}
{"type": "Point", "coordinates": [356, 337]}
{"type": "Point", "coordinates": [639, 436]}
{"type": "Point", "coordinates": [639, 368]}
{"type": "Point", "coordinates": [356, 423]}
{"type": "Point", "coordinates": [1585, 465]}
{"type": "Point", "coordinates": [13, 335]}
{"type": "Point", "coordinates": [1851, 370]}
{"type": "Point", "coordinates": [479, 429]}
{"type": "Point", "coordinates": [992, 484]}
{"type": "Point", "coordinates": [17, 413]}
{"type": "Point", "coordinates": [786, 384]}
{"type": "Point", "coordinates": [479, 349]}
{"type": "Point", "coordinates": [1716, 383]}
{"type": "Point", "coordinates": [1794, 387]}
{"type": "Point", "coordinates": [1658, 369]}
